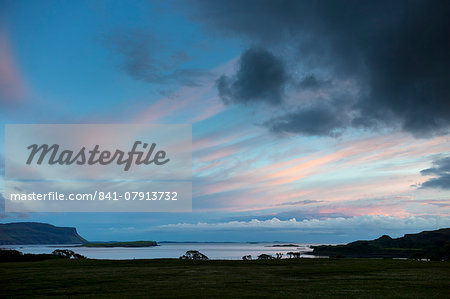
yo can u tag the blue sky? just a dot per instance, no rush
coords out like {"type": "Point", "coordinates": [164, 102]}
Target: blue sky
{"type": "Point", "coordinates": [297, 135]}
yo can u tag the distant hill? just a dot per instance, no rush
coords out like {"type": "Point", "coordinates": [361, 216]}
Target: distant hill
{"type": "Point", "coordinates": [38, 233]}
{"type": "Point", "coordinates": [427, 244]}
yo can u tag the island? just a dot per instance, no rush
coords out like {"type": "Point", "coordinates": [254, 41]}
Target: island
{"type": "Point", "coordinates": [119, 244]}
{"type": "Point", "coordinates": [283, 245]}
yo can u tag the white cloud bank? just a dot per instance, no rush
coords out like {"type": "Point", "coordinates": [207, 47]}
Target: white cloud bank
{"type": "Point", "coordinates": [359, 223]}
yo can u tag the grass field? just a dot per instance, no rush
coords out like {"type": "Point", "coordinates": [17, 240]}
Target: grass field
{"type": "Point", "coordinates": [300, 278]}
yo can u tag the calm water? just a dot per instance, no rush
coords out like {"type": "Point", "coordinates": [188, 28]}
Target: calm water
{"type": "Point", "coordinates": [229, 251]}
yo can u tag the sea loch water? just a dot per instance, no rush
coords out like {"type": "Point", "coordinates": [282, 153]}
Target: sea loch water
{"type": "Point", "coordinates": [228, 251]}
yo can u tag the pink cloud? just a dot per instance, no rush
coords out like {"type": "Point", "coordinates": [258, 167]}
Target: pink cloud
{"type": "Point", "coordinates": [380, 167]}
{"type": "Point", "coordinates": [12, 86]}
{"type": "Point", "coordinates": [186, 105]}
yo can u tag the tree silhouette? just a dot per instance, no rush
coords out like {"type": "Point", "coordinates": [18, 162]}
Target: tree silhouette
{"type": "Point", "coordinates": [66, 253]}
{"type": "Point", "coordinates": [193, 255]}
{"type": "Point", "coordinates": [265, 257]}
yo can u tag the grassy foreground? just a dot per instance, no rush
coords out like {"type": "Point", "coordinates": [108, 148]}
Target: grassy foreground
{"type": "Point", "coordinates": [300, 278]}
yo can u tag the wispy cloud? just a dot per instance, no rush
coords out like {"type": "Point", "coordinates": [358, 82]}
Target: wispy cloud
{"type": "Point", "coordinates": [146, 58]}
{"type": "Point", "coordinates": [186, 104]}
{"type": "Point", "coordinates": [374, 167]}
{"type": "Point", "coordinates": [12, 85]}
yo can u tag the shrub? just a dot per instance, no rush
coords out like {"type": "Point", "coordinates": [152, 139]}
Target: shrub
{"type": "Point", "coordinates": [193, 255]}
{"type": "Point", "coordinates": [265, 257]}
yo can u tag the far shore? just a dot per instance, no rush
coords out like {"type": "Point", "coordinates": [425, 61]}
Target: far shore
{"type": "Point", "coordinates": [119, 244]}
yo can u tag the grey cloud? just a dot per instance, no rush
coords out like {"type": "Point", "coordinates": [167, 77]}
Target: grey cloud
{"type": "Point", "coordinates": [261, 77]}
{"type": "Point", "coordinates": [315, 121]}
{"type": "Point", "coordinates": [312, 82]}
{"type": "Point", "coordinates": [300, 202]}
{"type": "Point", "coordinates": [440, 169]}
{"type": "Point", "coordinates": [397, 52]}
{"type": "Point", "coordinates": [441, 205]}
{"type": "Point", "coordinates": [5, 215]}
{"type": "Point", "coordinates": [2, 204]}
{"type": "Point", "coordinates": [2, 165]}
{"type": "Point", "coordinates": [146, 58]}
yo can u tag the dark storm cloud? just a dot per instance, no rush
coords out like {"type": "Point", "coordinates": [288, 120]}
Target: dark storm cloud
{"type": "Point", "coordinates": [315, 121]}
{"type": "Point", "coordinates": [145, 58]}
{"type": "Point", "coordinates": [398, 53]}
{"type": "Point", "coordinates": [441, 171]}
{"type": "Point", "coordinates": [261, 77]}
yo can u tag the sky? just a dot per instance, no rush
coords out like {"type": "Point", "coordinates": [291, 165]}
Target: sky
{"type": "Point", "coordinates": [312, 121]}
